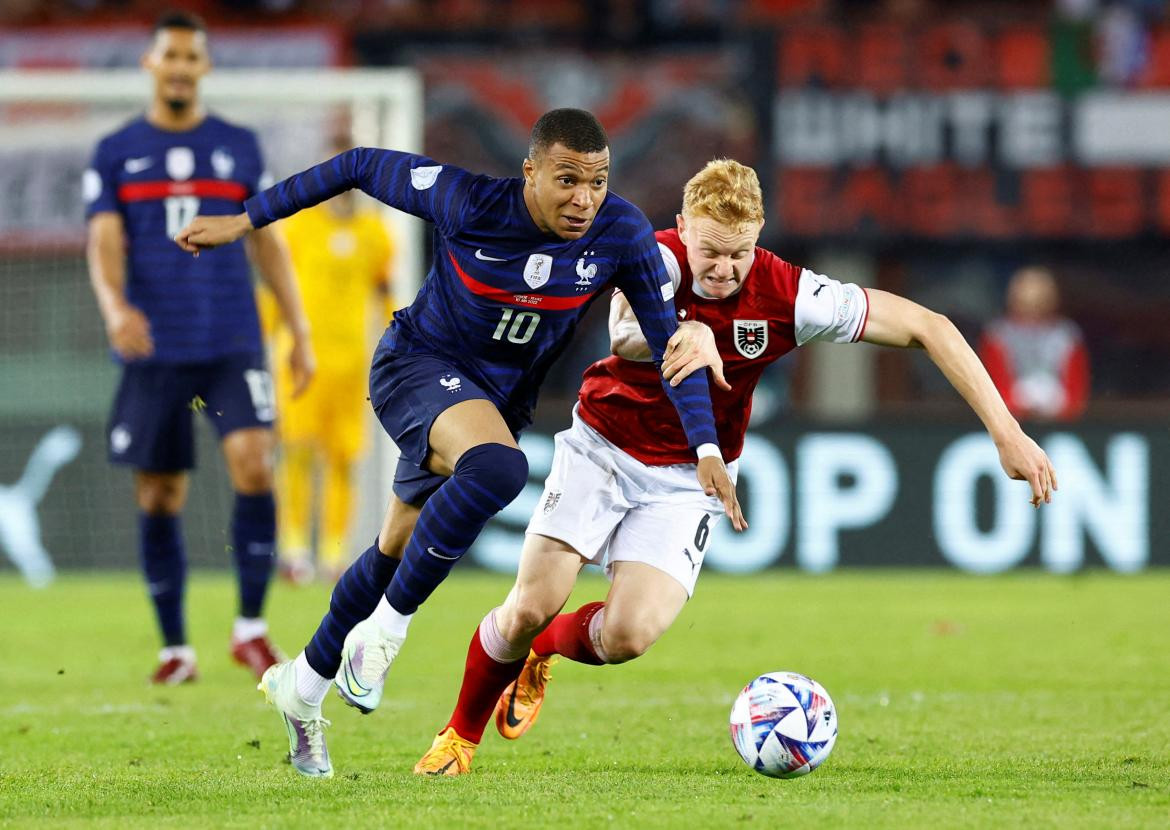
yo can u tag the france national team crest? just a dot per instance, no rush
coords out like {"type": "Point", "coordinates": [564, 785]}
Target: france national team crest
{"type": "Point", "coordinates": [222, 163]}
{"type": "Point", "coordinates": [751, 337]}
{"type": "Point", "coordinates": [537, 270]}
{"type": "Point", "coordinates": [180, 163]}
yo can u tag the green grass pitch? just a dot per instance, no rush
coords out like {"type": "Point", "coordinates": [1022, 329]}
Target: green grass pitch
{"type": "Point", "coordinates": [1025, 700]}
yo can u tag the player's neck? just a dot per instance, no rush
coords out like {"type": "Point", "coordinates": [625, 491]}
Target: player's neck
{"type": "Point", "coordinates": [162, 116]}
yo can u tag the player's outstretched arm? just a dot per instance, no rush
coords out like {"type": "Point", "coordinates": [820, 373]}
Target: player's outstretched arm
{"type": "Point", "coordinates": [126, 326]}
{"type": "Point", "coordinates": [268, 251]}
{"type": "Point", "coordinates": [896, 321]}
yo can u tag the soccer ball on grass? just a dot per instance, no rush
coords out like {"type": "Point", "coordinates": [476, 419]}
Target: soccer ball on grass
{"type": "Point", "coordinates": [783, 724]}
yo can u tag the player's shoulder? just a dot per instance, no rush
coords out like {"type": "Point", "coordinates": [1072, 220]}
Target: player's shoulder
{"type": "Point", "coordinates": [226, 130]}
{"type": "Point", "coordinates": [622, 222]}
{"type": "Point", "coordinates": [775, 270]}
{"type": "Point", "coordinates": [124, 135]}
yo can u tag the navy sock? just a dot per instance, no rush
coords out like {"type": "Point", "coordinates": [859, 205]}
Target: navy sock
{"type": "Point", "coordinates": [254, 548]}
{"type": "Point", "coordinates": [486, 479]}
{"type": "Point", "coordinates": [160, 549]}
{"type": "Point", "coordinates": [354, 598]}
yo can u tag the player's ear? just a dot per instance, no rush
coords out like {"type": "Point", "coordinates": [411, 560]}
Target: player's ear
{"type": "Point", "coordinates": [529, 170]}
{"type": "Point", "coordinates": [680, 223]}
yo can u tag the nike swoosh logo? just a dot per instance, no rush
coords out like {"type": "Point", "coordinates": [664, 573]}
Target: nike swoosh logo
{"type": "Point", "coordinates": [444, 768]}
{"type": "Point", "coordinates": [351, 681]}
{"type": "Point", "coordinates": [438, 555]}
{"type": "Point", "coordinates": [138, 165]}
{"type": "Point", "coordinates": [479, 254]}
{"type": "Point", "coordinates": [510, 715]}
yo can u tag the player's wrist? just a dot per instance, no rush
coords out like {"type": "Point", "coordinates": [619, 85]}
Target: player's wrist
{"type": "Point", "coordinates": [708, 451]}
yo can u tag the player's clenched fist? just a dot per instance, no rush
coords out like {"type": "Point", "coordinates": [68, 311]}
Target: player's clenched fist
{"type": "Point", "coordinates": [212, 231]}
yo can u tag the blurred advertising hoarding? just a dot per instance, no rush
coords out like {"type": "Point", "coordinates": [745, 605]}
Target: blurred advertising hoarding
{"type": "Point", "coordinates": [965, 130]}
{"type": "Point", "coordinates": [916, 494]}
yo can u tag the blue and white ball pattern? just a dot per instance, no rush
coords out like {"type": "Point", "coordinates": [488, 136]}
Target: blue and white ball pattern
{"type": "Point", "coordinates": [783, 724]}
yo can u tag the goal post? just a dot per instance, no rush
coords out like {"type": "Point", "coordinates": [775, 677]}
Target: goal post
{"type": "Point", "coordinates": [56, 368]}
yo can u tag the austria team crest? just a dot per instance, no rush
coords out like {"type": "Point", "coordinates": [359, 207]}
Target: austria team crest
{"type": "Point", "coordinates": [751, 337]}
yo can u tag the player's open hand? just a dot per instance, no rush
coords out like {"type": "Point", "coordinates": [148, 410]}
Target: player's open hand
{"type": "Point", "coordinates": [212, 231]}
{"type": "Point", "coordinates": [303, 364]}
{"type": "Point", "coordinates": [716, 482]}
{"type": "Point", "coordinates": [1023, 460]}
{"type": "Point", "coordinates": [129, 333]}
{"type": "Point", "coordinates": [690, 348]}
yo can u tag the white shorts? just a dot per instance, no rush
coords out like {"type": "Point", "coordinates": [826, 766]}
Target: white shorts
{"type": "Point", "coordinates": [610, 507]}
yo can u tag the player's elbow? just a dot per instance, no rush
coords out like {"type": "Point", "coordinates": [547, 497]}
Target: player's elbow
{"type": "Point", "coordinates": [930, 329]}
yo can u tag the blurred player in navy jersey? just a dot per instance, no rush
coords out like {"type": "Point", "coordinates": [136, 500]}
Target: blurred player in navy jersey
{"type": "Point", "coordinates": [186, 332]}
{"type": "Point", "coordinates": [621, 492]}
{"type": "Point", "coordinates": [517, 261]}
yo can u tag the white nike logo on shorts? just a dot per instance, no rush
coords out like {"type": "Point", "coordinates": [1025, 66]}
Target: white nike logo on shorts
{"type": "Point", "coordinates": [479, 254]}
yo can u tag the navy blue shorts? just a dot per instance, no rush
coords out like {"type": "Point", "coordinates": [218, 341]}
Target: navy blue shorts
{"type": "Point", "coordinates": [408, 392]}
{"type": "Point", "coordinates": [152, 422]}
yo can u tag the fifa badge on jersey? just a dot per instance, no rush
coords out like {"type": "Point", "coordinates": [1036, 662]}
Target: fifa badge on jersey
{"type": "Point", "coordinates": [222, 163]}
{"type": "Point", "coordinates": [551, 501]}
{"type": "Point", "coordinates": [180, 163]}
{"type": "Point", "coordinates": [537, 270]}
{"type": "Point", "coordinates": [751, 337]}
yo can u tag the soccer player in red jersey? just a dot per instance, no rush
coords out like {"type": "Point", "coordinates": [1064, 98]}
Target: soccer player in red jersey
{"type": "Point", "coordinates": [622, 491]}
{"type": "Point", "coordinates": [186, 333]}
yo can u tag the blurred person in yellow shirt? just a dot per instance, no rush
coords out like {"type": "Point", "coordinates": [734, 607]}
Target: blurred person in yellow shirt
{"type": "Point", "coordinates": [341, 253]}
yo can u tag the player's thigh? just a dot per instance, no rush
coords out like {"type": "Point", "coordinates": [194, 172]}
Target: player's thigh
{"type": "Point", "coordinates": [643, 602]}
{"type": "Point", "coordinates": [237, 393]}
{"type": "Point", "coordinates": [463, 426]}
{"type": "Point", "coordinates": [670, 535]}
{"type": "Point", "coordinates": [397, 525]}
{"type": "Point", "coordinates": [150, 426]}
{"type": "Point", "coordinates": [342, 418]}
{"type": "Point", "coordinates": [584, 498]}
{"type": "Point", "coordinates": [432, 411]}
{"type": "Point", "coordinates": [545, 579]}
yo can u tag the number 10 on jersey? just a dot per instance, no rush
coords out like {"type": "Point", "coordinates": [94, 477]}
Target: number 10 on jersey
{"type": "Point", "coordinates": [523, 326]}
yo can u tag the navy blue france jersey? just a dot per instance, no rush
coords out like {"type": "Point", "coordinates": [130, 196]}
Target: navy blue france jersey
{"type": "Point", "coordinates": [502, 298]}
{"type": "Point", "coordinates": [200, 308]}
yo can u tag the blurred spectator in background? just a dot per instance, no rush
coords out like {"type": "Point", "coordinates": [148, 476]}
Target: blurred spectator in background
{"type": "Point", "coordinates": [1036, 357]}
{"type": "Point", "coordinates": [341, 253]}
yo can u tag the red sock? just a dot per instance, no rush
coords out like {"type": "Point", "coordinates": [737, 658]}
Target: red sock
{"type": "Point", "coordinates": [568, 635]}
{"type": "Point", "coordinates": [484, 680]}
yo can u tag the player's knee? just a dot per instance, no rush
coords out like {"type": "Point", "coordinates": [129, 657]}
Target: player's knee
{"type": "Point", "coordinates": [160, 494]}
{"type": "Point", "coordinates": [526, 619]}
{"type": "Point", "coordinates": [623, 643]}
{"type": "Point", "coordinates": [252, 474]}
{"type": "Point", "coordinates": [503, 470]}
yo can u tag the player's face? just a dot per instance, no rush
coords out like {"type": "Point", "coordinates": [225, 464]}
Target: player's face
{"type": "Point", "coordinates": [719, 255]}
{"type": "Point", "coordinates": [564, 189]}
{"type": "Point", "coordinates": [177, 59]}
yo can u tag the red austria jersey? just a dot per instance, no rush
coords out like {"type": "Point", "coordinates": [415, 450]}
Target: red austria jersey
{"type": "Point", "coordinates": [779, 307]}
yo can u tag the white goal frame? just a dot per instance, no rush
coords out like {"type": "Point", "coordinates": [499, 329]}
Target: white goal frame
{"type": "Point", "coordinates": [387, 111]}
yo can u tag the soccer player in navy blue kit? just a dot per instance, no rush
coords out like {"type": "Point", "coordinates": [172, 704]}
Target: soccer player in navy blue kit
{"type": "Point", "coordinates": [516, 263]}
{"type": "Point", "coordinates": [186, 333]}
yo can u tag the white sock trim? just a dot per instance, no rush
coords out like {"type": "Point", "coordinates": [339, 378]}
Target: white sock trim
{"type": "Point", "coordinates": [184, 653]}
{"type": "Point", "coordinates": [390, 621]}
{"type": "Point", "coordinates": [248, 628]}
{"type": "Point", "coordinates": [311, 687]}
{"type": "Point", "coordinates": [495, 645]}
{"type": "Point", "coordinates": [595, 625]}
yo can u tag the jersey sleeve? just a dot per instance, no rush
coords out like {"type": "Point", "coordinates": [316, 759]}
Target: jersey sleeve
{"type": "Point", "coordinates": [644, 280]}
{"type": "Point", "coordinates": [415, 184]}
{"type": "Point", "coordinates": [99, 188]}
{"type": "Point", "coordinates": [829, 310]}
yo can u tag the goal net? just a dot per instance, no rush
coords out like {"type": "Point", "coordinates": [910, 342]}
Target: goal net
{"type": "Point", "coordinates": [57, 491]}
